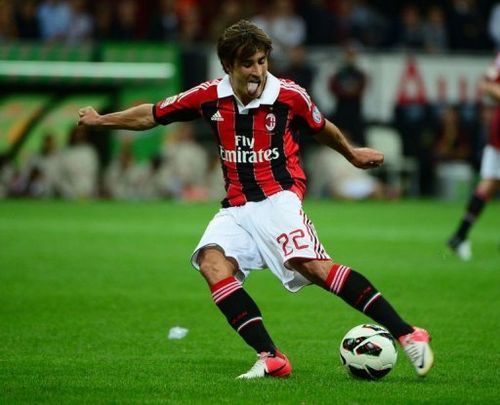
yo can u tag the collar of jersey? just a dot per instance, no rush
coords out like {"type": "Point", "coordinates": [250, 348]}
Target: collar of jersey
{"type": "Point", "coordinates": [268, 96]}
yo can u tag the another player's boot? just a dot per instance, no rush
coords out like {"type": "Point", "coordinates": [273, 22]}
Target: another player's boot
{"type": "Point", "coordinates": [416, 347]}
{"type": "Point", "coordinates": [269, 365]}
{"type": "Point", "coordinates": [462, 248]}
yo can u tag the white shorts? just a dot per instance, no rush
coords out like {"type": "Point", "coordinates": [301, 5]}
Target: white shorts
{"type": "Point", "coordinates": [265, 234]}
{"type": "Point", "coordinates": [490, 163]}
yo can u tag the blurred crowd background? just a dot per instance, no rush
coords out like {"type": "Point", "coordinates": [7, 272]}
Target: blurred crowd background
{"type": "Point", "coordinates": [431, 26]}
{"type": "Point", "coordinates": [430, 147]}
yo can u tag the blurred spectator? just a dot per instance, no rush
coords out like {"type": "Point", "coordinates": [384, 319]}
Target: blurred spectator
{"type": "Point", "coordinates": [452, 154]}
{"type": "Point", "coordinates": [16, 181]}
{"type": "Point", "coordinates": [410, 29]}
{"type": "Point", "coordinates": [191, 35]}
{"type": "Point", "coordinates": [7, 174]}
{"type": "Point", "coordinates": [79, 167]}
{"type": "Point", "coordinates": [264, 19]}
{"type": "Point", "coordinates": [191, 29]}
{"type": "Point", "coordinates": [494, 25]}
{"type": "Point", "coordinates": [286, 28]}
{"type": "Point", "coordinates": [301, 73]}
{"type": "Point", "coordinates": [355, 21]}
{"type": "Point", "coordinates": [157, 181]}
{"type": "Point", "coordinates": [345, 30]}
{"type": "Point", "coordinates": [299, 69]}
{"type": "Point", "coordinates": [166, 24]}
{"type": "Point", "coordinates": [319, 21]}
{"type": "Point", "coordinates": [54, 17]}
{"type": "Point", "coordinates": [124, 178]}
{"type": "Point", "coordinates": [8, 28]}
{"type": "Point", "coordinates": [331, 175]}
{"type": "Point", "coordinates": [412, 118]}
{"type": "Point", "coordinates": [289, 22]}
{"type": "Point", "coordinates": [229, 12]}
{"type": "Point", "coordinates": [35, 184]}
{"type": "Point", "coordinates": [27, 21]}
{"type": "Point", "coordinates": [43, 170]}
{"type": "Point", "coordinates": [187, 163]}
{"type": "Point", "coordinates": [215, 181]}
{"type": "Point", "coordinates": [369, 26]}
{"type": "Point", "coordinates": [103, 16]}
{"type": "Point", "coordinates": [467, 28]}
{"type": "Point", "coordinates": [124, 25]}
{"type": "Point", "coordinates": [82, 23]}
{"type": "Point", "coordinates": [452, 147]}
{"type": "Point", "coordinates": [452, 142]}
{"type": "Point", "coordinates": [435, 35]}
{"type": "Point", "coordinates": [347, 86]}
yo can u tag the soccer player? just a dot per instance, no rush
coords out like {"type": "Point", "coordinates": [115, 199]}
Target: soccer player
{"type": "Point", "coordinates": [256, 119]}
{"type": "Point", "coordinates": [490, 169]}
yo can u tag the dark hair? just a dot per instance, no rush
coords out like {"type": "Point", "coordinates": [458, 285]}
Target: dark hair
{"type": "Point", "coordinates": [240, 41]}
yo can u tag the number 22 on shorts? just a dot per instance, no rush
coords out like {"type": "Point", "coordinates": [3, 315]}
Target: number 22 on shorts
{"type": "Point", "coordinates": [292, 241]}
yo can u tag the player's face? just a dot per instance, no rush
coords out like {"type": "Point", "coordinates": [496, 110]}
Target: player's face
{"type": "Point", "coordinates": [248, 76]}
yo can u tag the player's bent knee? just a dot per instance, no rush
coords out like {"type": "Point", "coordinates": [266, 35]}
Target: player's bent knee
{"type": "Point", "coordinates": [214, 265]}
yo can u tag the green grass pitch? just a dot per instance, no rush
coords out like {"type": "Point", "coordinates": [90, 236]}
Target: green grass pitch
{"type": "Point", "coordinates": [89, 291]}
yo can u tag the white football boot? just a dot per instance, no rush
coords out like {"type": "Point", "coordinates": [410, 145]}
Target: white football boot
{"type": "Point", "coordinates": [416, 347]}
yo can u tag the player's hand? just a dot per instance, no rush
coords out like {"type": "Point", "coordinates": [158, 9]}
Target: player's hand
{"type": "Point", "coordinates": [88, 117]}
{"type": "Point", "coordinates": [367, 158]}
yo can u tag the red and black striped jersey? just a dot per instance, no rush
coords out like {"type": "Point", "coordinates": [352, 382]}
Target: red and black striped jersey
{"type": "Point", "coordinates": [257, 143]}
{"type": "Point", "coordinates": [494, 75]}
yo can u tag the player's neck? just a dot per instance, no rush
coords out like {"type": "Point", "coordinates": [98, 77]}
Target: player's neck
{"type": "Point", "coordinates": [243, 100]}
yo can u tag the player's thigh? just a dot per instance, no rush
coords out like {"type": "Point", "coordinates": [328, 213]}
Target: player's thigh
{"type": "Point", "coordinates": [284, 231]}
{"type": "Point", "coordinates": [224, 233]}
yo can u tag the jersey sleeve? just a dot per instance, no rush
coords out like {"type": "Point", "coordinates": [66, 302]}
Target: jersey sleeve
{"type": "Point", "coordinates": [181, 107]}
{"type": "Point", "coordinates": [306, 112]}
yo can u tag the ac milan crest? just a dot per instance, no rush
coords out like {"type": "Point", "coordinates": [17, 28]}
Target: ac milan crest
{"type": "Point", "coordinates": [270, 121]}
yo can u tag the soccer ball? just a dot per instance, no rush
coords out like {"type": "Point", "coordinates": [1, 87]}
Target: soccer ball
{"type": "Point", "coordinates": [368, 351]}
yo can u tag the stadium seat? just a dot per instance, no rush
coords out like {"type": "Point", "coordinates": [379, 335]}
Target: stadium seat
{"type": "Point", "coordinates": [401, 171]}
{"type": "Point", "coordinates": [455, 180]}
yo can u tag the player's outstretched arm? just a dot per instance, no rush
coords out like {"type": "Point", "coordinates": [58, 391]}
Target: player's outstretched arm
{"type": "Point", "coordinates": [364, 158]}
{"type": "Point", "coordinates": [135, 118]}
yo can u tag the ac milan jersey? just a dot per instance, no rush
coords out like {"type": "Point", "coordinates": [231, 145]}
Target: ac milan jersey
{"type": "Point", "coordinates": [257, 143]}
{"type": "Point", "coordinates": [494, 75]}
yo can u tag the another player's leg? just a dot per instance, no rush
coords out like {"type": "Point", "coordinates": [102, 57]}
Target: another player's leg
{"type": "Point", "coordinates": [242, 313]}
{"type": "Point", "coordinates": [490, 180]}
{"type": "Point", "coordinates": [459, 242]}
{"type": "Point", "coordinates": [360, 294]}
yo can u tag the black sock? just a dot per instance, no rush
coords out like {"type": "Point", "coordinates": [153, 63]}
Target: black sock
{"type": "Point", "coordinates": [359, 293]}
{"type": "Point", "coordinates": [383, 312]}
{"type": "Point", "coordinates": [474, 209]}
{"type": "Point", "coordinates": [242, 314]}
